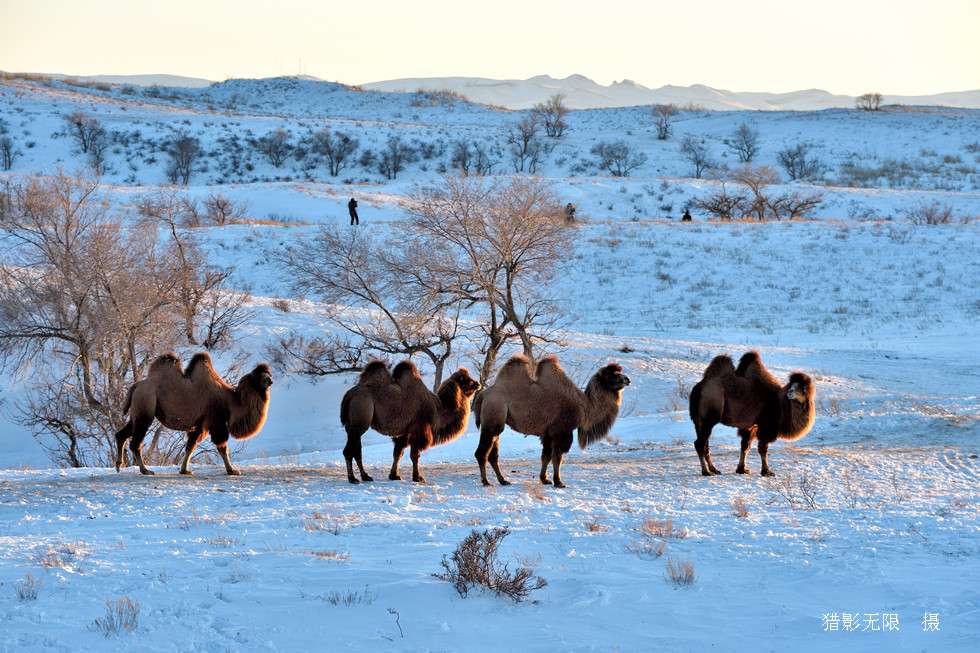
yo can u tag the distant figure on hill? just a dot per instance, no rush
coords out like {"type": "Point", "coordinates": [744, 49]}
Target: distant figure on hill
{"type": "Point", "coordinates": [570, 212]}
{"type": "Point", "coordinates": [352, 208]}
{"type": "Point", "coordinates": [687, 216]}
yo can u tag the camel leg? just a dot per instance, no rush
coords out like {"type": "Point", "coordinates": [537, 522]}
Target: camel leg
{"type": "Point", "coordinates": [416, 473]}
{"type": "Point", "coordinates": [747, 437]}
{"type": "Point", "coordinates": [704, 452]}
{"type": "Point", "coordinates": [400, 443]}
{"type": "Point", "coordinates": [494, 459]}
{"type": "Point", "coordinates": [140, 427]}
{"type": "Point", "coordinates": [122, 435]}
{"type": "Point", "coordinates": [763, 447]}
{"type": "Point", "coordinates": [546, 457]}
{"type": "Point", "coordinates": [352, 452]}
{"type": "Point", "coordinates": [220, 440]}
{"type": "Point", "coordinates": [488, 450]}
{"type": "Point", "coordinates": [194, 436]}
{"type": "Point", "coordinates": [559, 447]}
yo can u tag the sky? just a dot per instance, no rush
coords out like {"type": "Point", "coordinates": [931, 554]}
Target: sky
{"type": "Point", "coordinates": [898, 47]}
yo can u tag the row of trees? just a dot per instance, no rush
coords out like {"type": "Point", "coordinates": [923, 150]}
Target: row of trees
{"type": "Point", "coordinates": [473, 260]}
{"type": "Point", "coordinates": [87, 299]}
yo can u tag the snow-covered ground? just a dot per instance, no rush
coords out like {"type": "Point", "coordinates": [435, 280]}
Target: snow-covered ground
{"type": "Point", "coordinates": [867, 538]}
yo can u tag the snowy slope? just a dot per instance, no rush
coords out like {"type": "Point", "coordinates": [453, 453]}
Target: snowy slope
{"type": "Point", "coordinates": [882, 313]}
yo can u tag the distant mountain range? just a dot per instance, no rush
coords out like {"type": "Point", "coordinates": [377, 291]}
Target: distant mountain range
{"type": "Point", "coordinates": [583, 93]}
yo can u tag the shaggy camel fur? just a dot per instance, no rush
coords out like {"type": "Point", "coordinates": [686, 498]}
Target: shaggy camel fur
{"type": "Point", "coordinates": [752, 400]}
{"type": "Point", "coordinates": [400, 406]}
{"type": "Point", "coordinates": [546, 404]}
{"type": "Point", "coordinates": [195, 400]}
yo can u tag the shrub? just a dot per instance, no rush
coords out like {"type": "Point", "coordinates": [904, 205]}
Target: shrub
{"type": "Point", "coordinates": [680, 572]}
{"type": "Point", "coordinates": [930, 213]}
{"type": "Point", "coordinates": [120, 614]}
{"type": "Point", "coordinates": [29, 588]}
{"type": "Point", "coordinates": [474, 563]}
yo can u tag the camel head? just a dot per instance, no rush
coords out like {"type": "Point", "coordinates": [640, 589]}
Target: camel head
{"type": "Point", "coordinates": [800, 388]}
{"type": "Point", "coordinates": [612, 378]}
{"type": "Point", "coordinates": [467, 384]}
{"type": "Point", "coordinates": [261, 376]}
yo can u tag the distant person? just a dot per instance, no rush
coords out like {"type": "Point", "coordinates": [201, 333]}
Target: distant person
{"type": "Point", "coordinates": [570, 212]}
{"type": "Point", "coordinates": [687, 216]}
{"type": "Point", "coordinates": [352, 209]}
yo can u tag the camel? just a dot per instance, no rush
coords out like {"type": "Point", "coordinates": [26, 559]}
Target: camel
{"type": "Point", "coordinates": [546, 404]}
{"type": "Point", "coordinates": [752, 400]}
{"type": "Point", "coordinates": [399, 405]}
{"type": "Point", "coordinates": [195, 400]}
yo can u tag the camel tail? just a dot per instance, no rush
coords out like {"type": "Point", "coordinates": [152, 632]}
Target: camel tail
{"type": "Point", "coordinates": [345, 408]}
{"type": "Point", "coordinates": [695, 405]}
{"type": "Point", "coordinates": [477, 405]}
{"type": "Point", "coordinates": [129, 399]}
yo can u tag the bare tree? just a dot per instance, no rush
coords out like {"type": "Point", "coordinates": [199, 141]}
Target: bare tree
{"type": "Point", "coordinates": [84, 304]}
{"type": "Point", "coordinates": [722, 203]}
{"type": "Point", "coordinates": [868, 102]}
{"type": "Point", "coordinates": [183, 151]}
{"type": "Point", "coordinates": [551, 114]}
{"type": "Point", "coordinates": [745, 142]}
{"type": "Point", "coordinates": [8, 152]}
{"type": "Point", "coordinates": [525, 147]}
{"type": "Point", "coordinates": [798, 163]}
{"type": "Point", "coordinates": [223, 210]}
{"type": "Point", "coordinates": [360, 282]}
{"type": "Point", "coordinates": [200, 290]}
{"type": "Point", "coordinates": [337, 148]}
{"type": "Point", "coordinates": [395, 155]}
{"type": "Point", "coordinates": [497, 244]}
{"type": "Point", "coordinates": [618, 157]}
{"type": "Point", "coordinates": [695, 150]}
{"type": "Point", "coordinates": [81, 125]}
{"type": "Point", "coordinates": [275, 146]}
{"type": "Point", "coordinates": [663, 117]}
{"type": "Point", "coordinates": [462, 156]}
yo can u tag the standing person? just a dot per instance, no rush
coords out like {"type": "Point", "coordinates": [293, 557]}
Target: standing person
{"type": "Point", "coordinates": [570, 212]}
{"type": "Point", "coordinates": [352, 209]}
{"type": "Point", "coordinates": [687, 216]}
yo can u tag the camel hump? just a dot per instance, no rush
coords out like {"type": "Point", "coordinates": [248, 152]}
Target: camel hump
{"type": "Point", "coordinates": [750, 367]}
{"type": "Point", "coordinates": [374, 373]}
{"type": "Point", "coordinates": [551, 375]}
{"type": "Point", "coordinates": [719, 366]}
{"type": "Point", "coordinates": [165, 362]}
{"type": "Point", "coordinates": [200, 359]}
{"type": "Point", "coordinates": [517, 369]}
{"type": "Point", "coordinates": [405, 371]}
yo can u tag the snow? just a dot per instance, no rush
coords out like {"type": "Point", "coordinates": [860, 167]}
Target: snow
{"type": "Point", "coordinates": [882, 313]}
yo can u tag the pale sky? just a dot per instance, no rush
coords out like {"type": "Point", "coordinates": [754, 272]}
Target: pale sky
{"type": "Point", "coordinates": [901, 47]}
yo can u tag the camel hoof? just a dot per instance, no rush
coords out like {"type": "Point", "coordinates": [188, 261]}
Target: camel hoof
{"type": "Point", "coordinates": [353, 481]}
{"type": "Point", "coordinates": [184, 472]}
{"type": "Point", "coordinates": [419, 479]}
{"type": "Point", "coordinates": [503, 482]}
{"type": "Point", "coordinates": [234, 472]}
{"type": "Point", "coordinates": [560, 484]}
{"type": "Point", "coordinates": [705, 472]}
{"type": "Point", "coordinates": [545, 481]}
{"type": "Point", "coordinates": [742, 470]}
{"type": "Point", "coordinates": [365, 477]}
{"type": "Point", "coordinates": [487, 483]}
{"type": "Point", "coordinates": [768, 472]}
{"type": "Point", "coordinates": [147, 472]}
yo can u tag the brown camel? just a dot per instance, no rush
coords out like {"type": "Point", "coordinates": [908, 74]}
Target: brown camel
{"type": "Point", "coordinates": [400, 406]}
{"type": "Point", "coordinates": [195, 400]}
{"type": "Point", "coordinates": [546, 404]}
{"type": "Point", "coordinates": [752, 400]}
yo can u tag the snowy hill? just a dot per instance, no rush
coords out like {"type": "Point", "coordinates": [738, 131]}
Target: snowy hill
{"type": "Point", "coordinates": [583, 93]}
{"type": "Point", "coordinates": [869, 537]}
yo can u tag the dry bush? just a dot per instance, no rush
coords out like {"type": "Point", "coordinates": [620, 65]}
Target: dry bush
{"type": "Point", "coordinates": [29, 588]}
{"type": "Point", "coordinates": [535, 492]}
{"type": "Point", "coordinates": [321, 521]}
{"type": "Point", "coordinates": [597, 524]}
{"type": "Point", "coordinates": [799, 494]}
{"type": "Point", "coordinates": [329, 554]}
{"type": "Point", "coordinates": [680, 572]}
{"type": "Point", "coordinates": [739, 507]}
{"type": "Point", "coordinates": [646, 546]}
{"type": "Point", "coordinates": [475, 563]}
{"type": "Point", "coordinates": [121, 614]}
{"type": "Point", "coordinates": [61, 555]}
{"type": "Point", "coordinates": [930, 213]}
{"type": "Point", "coordinates": [651, 526]}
